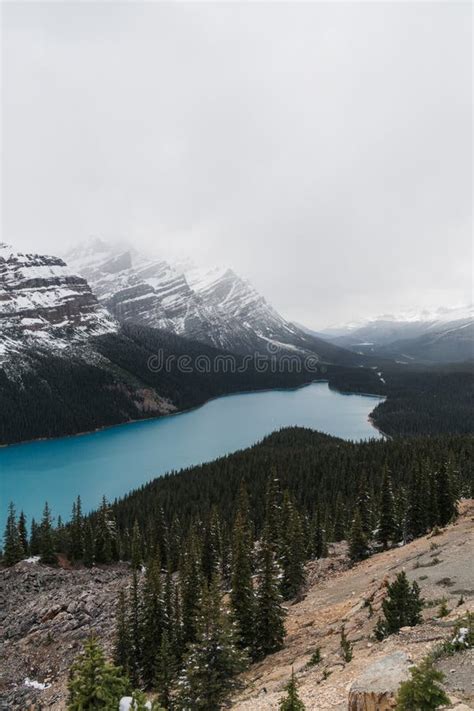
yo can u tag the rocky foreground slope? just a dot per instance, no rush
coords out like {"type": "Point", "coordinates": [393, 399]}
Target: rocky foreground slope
{"type": "Point", "coordinates": [47, 613]}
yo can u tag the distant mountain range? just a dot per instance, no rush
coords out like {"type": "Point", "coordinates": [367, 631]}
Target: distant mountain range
{"type": "Point", "coordinates": [445, 336]}
{"type": "Point", "coordinates": [214, 306]}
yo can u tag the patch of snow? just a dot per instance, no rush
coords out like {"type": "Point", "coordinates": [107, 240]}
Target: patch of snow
{"type": "Point", "coordinates": [32, 559]}
{"type": "Point", "coordinates": [36, 684]}
{"type": "Point", "coordinates": [126, 704]}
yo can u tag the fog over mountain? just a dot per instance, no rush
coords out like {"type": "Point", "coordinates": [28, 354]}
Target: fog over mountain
{"type": "Point", "coordinates": [323, 151]}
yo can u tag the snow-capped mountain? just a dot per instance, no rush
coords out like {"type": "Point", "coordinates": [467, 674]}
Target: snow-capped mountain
{"type": "Point", "coordinates": [44, 303]}
{"type": "Point", "coordinates": [443, 335]}
{"type": "Point", "coordinates": [215, 306]}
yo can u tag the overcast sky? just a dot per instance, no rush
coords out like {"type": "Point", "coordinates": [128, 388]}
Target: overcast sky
{"type": "Point", "coordinates": [323, 150]}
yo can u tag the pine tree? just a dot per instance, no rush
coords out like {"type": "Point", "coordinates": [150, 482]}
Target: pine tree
{"type": "Point", "coordinates": [23, 533]}
{"type": "Point", "coordinates": [177, 633]}
{"type": "Point", "coordinates": [76, 532]}
{"type": "Point", "coordinates": [386, 527]}
{"type": "Point", "coordinates": [339, 529]}
{"type": "Point", "coordinates": [242, 596]}
{"type": "Point", "coordinates": [48, 556]}
{"type": "Point", "coordinates": [153, 620]}
{"type": "Point", "coordinates": [165, 672]}
{"type": "Point", "coordinates": [94, 683]}
{"type": "Point", "coordinates": [319, 545]}
{"type": "Point", "coordinates": [432, 503]}
{"type": "Point", "coordinates": [212, 547]}
{"type": "Point", "coordinates": [122, 644]}
{"type": "Point", "coordinates": [34, 538]}
{"type": "Point", "coordinates": [291, 702]}
{"type": "Point", "coordinates": [191, 586]}
{"type": "Point", "coordinates": [364, 507]}
{"type": "Point", "coordinates": [89, 553]}
{"type": "Point", "coordinates": [358, 546]}
{"type": "Point", "coordinates": [416, 519]}
{"type": "Point", "coordinates": [292, 550]}
{"type": "Point", "coordinates": [135, 632]}
{"type": "Point", "coordinates": [105, 534]}
{"type": "Point", "coordinates": [446, 496]}
{"type": "Point", "coordinates": [273, 513]}
{"type": "Point", "coordinates": [270, 615]}
{"type": "Point", "coordinates": [402, 606]}
{"type": "Point", "coordinates": [60, 536]}
{"type": "Point", "coordinates": [214, 659]}
{"type": "Point", "coordinates": [136, 547]}
{"type": "Point", "coordinates": [346, 646]}
{"type": "Point", "coordinates": [422, 692]}
{"type": "Point", "coordinates": [12, 548]}
{"type": "Point", "coordinates": [400, 509]}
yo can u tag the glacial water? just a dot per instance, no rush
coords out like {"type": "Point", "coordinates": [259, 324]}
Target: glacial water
{"type": "Point", "coordinates": [116, 460]}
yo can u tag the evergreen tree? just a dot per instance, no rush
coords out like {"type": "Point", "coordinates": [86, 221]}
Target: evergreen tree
{"type": "Point", "coordinates": [47, 554]}
{"type": "Point", "coordinates": [432, 503]}
{"type": "Point", "coordinates": [12, 549]}
{"type": "Point", "coordinates": [212, 547]}
{"type": "Point", "coordinates": [400, 511]}
{"type": "Point", "coordinates": [339, 529]}
{"type": "Point", "coordinates": [60, 536]}
{"type": "Point", "coordinates": [319, 545]}
{"type": "Point", "coordinates": [153, 619]}
{"type": "Point", "coordinates": [292, 550]}
{"type": "Point", "coordinates": [191, 586]}
{"type": "Point", "coordinates": [364, 507]}
{"type": "Point", "coordinates": [165, 671]}
{"type": "Point", "coordinates": [358, 546]}
{"type": "Point", "coordinates": [94, 683]}
{"type": "Point", "coordinates": [273, 513]}
{"type": "Point", "coordinates": [34, 538]}
{"type": "Point", "coordinates": [402, 606]}
{"type": "Point", "coordinates": [446, 496]}
{"type": "Point", "coordinates": [422, 692]}
{"type": "Point", "coordinates": [76, 532]}
{"type": "Point", "coordinates": [136, 547]}
{"type": "Point", "coordinates": [291, 702]}
{"type": "Point", "coordinates": [89, 553]}
{"type": "Point", "coordinates": [270, 615]}
{"type": "Point", "coordinates": [135, 632]}
{"type": "Point", "coordinates": [416, 519]}
{"type": "Point", "coordinates": [242, 596]}
{"type": "Point", "coordinates": [23, 533]}
{"type": "Point", "coordinates": [214, 659]}
{"type": "Point", "coordinates": [346, 647]}
{"type": "Point", "coordinates": [105, 534]}
{"type": "Point", "coordinates": [122, 645]}
{"type": "Point", "coordinates": [386, 527]}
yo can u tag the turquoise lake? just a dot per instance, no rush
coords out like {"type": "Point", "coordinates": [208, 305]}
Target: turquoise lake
{"type": "Point", "coordinates": [118, 459]}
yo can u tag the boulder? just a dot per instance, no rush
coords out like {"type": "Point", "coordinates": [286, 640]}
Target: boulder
{"type": "Point", "coordinates": [375, 689]}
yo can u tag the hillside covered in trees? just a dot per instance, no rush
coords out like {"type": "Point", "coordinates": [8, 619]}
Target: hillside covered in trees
{"type": "Point", "coordinates": [214, 552]}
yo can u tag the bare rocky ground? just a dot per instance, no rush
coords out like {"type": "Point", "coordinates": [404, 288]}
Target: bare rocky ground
{"type": "Point", "coordinates": [46, 613]}
{"type": "Point", "coordinates": [442, 565]}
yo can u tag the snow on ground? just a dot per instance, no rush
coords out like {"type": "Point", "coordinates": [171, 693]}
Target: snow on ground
{"type": "Point", "coordinates": [36, 684]}
{"type": "Point", "coordinates": [126, 704]}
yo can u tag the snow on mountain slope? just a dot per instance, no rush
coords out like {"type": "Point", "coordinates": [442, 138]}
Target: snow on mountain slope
{"type": "Point", "coordinates": [213, 306]}
{"type": "Point", "coordinates": [435, 336]}
{"type": "Point", "coordinates": [44, 303]}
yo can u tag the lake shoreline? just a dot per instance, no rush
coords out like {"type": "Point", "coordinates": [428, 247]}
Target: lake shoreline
{"type": "Point", "coordinates": [192, 408]}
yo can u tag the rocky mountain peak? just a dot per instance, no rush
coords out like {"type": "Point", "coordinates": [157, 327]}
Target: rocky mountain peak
{"type": "Point", "coordinates": [43, 301]}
